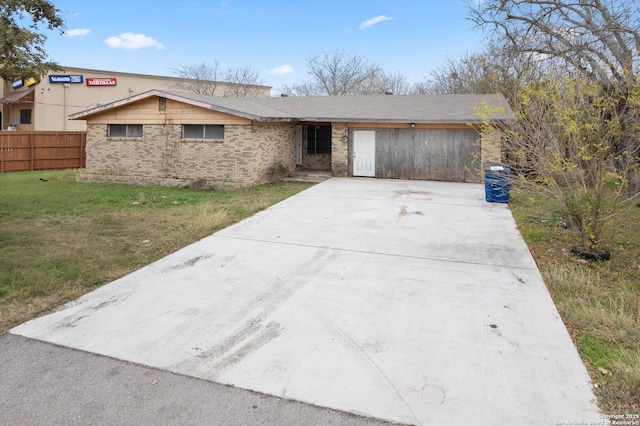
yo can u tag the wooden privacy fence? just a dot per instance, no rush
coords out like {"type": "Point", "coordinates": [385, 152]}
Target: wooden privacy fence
{"type": "Point", "coordinates": [41, 150]}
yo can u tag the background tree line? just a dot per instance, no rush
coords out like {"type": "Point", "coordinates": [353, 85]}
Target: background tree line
{"type": "Point", "coordinates": [332, 73]}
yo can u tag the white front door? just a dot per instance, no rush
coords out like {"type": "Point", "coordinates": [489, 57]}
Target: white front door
{"type": "Point", "coordinates": [364, 153]}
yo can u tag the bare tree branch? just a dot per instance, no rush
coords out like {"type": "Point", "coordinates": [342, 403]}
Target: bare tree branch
{"type": "Point", "coordinates": [201, 79]}
{"type": "Point", "coordinates": [243, 82]}
{"type": "Point", "coordinates": [206, 79]}
{"type": "Point", "coordinates": [337, 73]}
{"type": "Point", "coordinates": [600, 39]}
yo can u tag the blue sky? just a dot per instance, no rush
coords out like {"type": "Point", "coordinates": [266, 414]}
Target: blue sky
{"type": "Point", "coordinates": [272, 36]}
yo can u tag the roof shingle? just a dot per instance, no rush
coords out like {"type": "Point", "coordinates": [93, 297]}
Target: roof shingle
{"type": "Point", "coordinates": [370, 108]}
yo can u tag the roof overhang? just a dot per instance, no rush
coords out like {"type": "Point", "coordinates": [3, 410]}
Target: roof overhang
{"type": "Point", "coordinates": [83, 115]}
{"type": "Point", "coordinates": [409, 109]}
{"type": "Point", "coordinates": [18, 97]}
{"type": "Point", "coordinates": [408, 120]}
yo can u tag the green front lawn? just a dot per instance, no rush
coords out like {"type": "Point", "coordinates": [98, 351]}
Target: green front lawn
{"type": "Point", "coordinates": [60, 239]}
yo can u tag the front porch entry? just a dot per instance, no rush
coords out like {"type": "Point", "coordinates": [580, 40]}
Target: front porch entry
{"type": "Point", "coordinates": [313, 146]}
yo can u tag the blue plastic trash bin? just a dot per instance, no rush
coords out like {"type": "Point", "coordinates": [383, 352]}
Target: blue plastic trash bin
{"type": "Point", "coordinates": [496, 182]}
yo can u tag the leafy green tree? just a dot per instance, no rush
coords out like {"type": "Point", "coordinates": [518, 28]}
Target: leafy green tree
{"type": "Point", "coordinates": [22, 51]}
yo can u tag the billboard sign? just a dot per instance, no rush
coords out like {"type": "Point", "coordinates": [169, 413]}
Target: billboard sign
{"type": "Point", "coordinates": [65, 79]}
{"type": "Point", "coordinates": [101, 81]}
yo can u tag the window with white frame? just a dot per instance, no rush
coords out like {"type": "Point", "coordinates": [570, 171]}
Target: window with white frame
{"type": "Point", "coordinates": [203, 131]}
{"type": "Point", "coordinates": [124, 131]}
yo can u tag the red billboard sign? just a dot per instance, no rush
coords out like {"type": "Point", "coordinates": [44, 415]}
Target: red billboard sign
{"type": "Point", "coordinates": [101, 81]}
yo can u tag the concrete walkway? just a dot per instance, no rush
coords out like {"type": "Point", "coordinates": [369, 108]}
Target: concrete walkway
{"type": "Point", "coordinates": [409, 301]}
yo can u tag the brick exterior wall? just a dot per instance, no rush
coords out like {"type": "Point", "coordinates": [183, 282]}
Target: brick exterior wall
{"type": "Point", "coordinates": [491, 146]}
{"type": "Point", "coordinates": [339, 150]}
{"type": "Point", "coordinates": [316, 161]}
{"type": "Point", "coordinates": [248, 155]}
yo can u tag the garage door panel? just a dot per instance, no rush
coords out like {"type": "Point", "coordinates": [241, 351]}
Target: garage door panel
{"type": "Point", "coordinates": [428, 154]}
{"type": "Point", "coordinates": [394, 154]}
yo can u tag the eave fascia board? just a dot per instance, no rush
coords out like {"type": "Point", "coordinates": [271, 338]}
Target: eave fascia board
{"type": "Point", "coordinates": [121, 102]}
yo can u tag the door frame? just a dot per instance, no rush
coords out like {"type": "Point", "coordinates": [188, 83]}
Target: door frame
{"type": "Point", "coordinates": [298, 144]}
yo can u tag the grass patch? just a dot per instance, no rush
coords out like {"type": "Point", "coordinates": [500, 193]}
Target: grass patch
{"type": "Point", "coordinates": [598, 301]}
{"type": "Point", "coordinates": [60, 239]}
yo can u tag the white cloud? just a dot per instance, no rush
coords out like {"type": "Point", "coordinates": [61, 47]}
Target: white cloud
{"type": "Point", "coordinates": [370, 22]}
{"type": "Point", "coordinates": [77, 32]}
{"type": "Point", "coordinates": [131, 41]}
{"type": "Point", "coordinates": [283, 69]}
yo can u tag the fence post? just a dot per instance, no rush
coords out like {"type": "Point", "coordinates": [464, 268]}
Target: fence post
{"type": "Point", "coordinates": [31, 141]}
{"type": "Point", "coordinates": [83, 152]}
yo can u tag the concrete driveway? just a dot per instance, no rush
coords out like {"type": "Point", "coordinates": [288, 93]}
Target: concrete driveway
{"type": "Point", "coordinates": [410, 301]}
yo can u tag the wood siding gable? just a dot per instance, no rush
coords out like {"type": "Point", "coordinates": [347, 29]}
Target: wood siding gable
{"type": "Point", "coordinates": [147, 111]}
